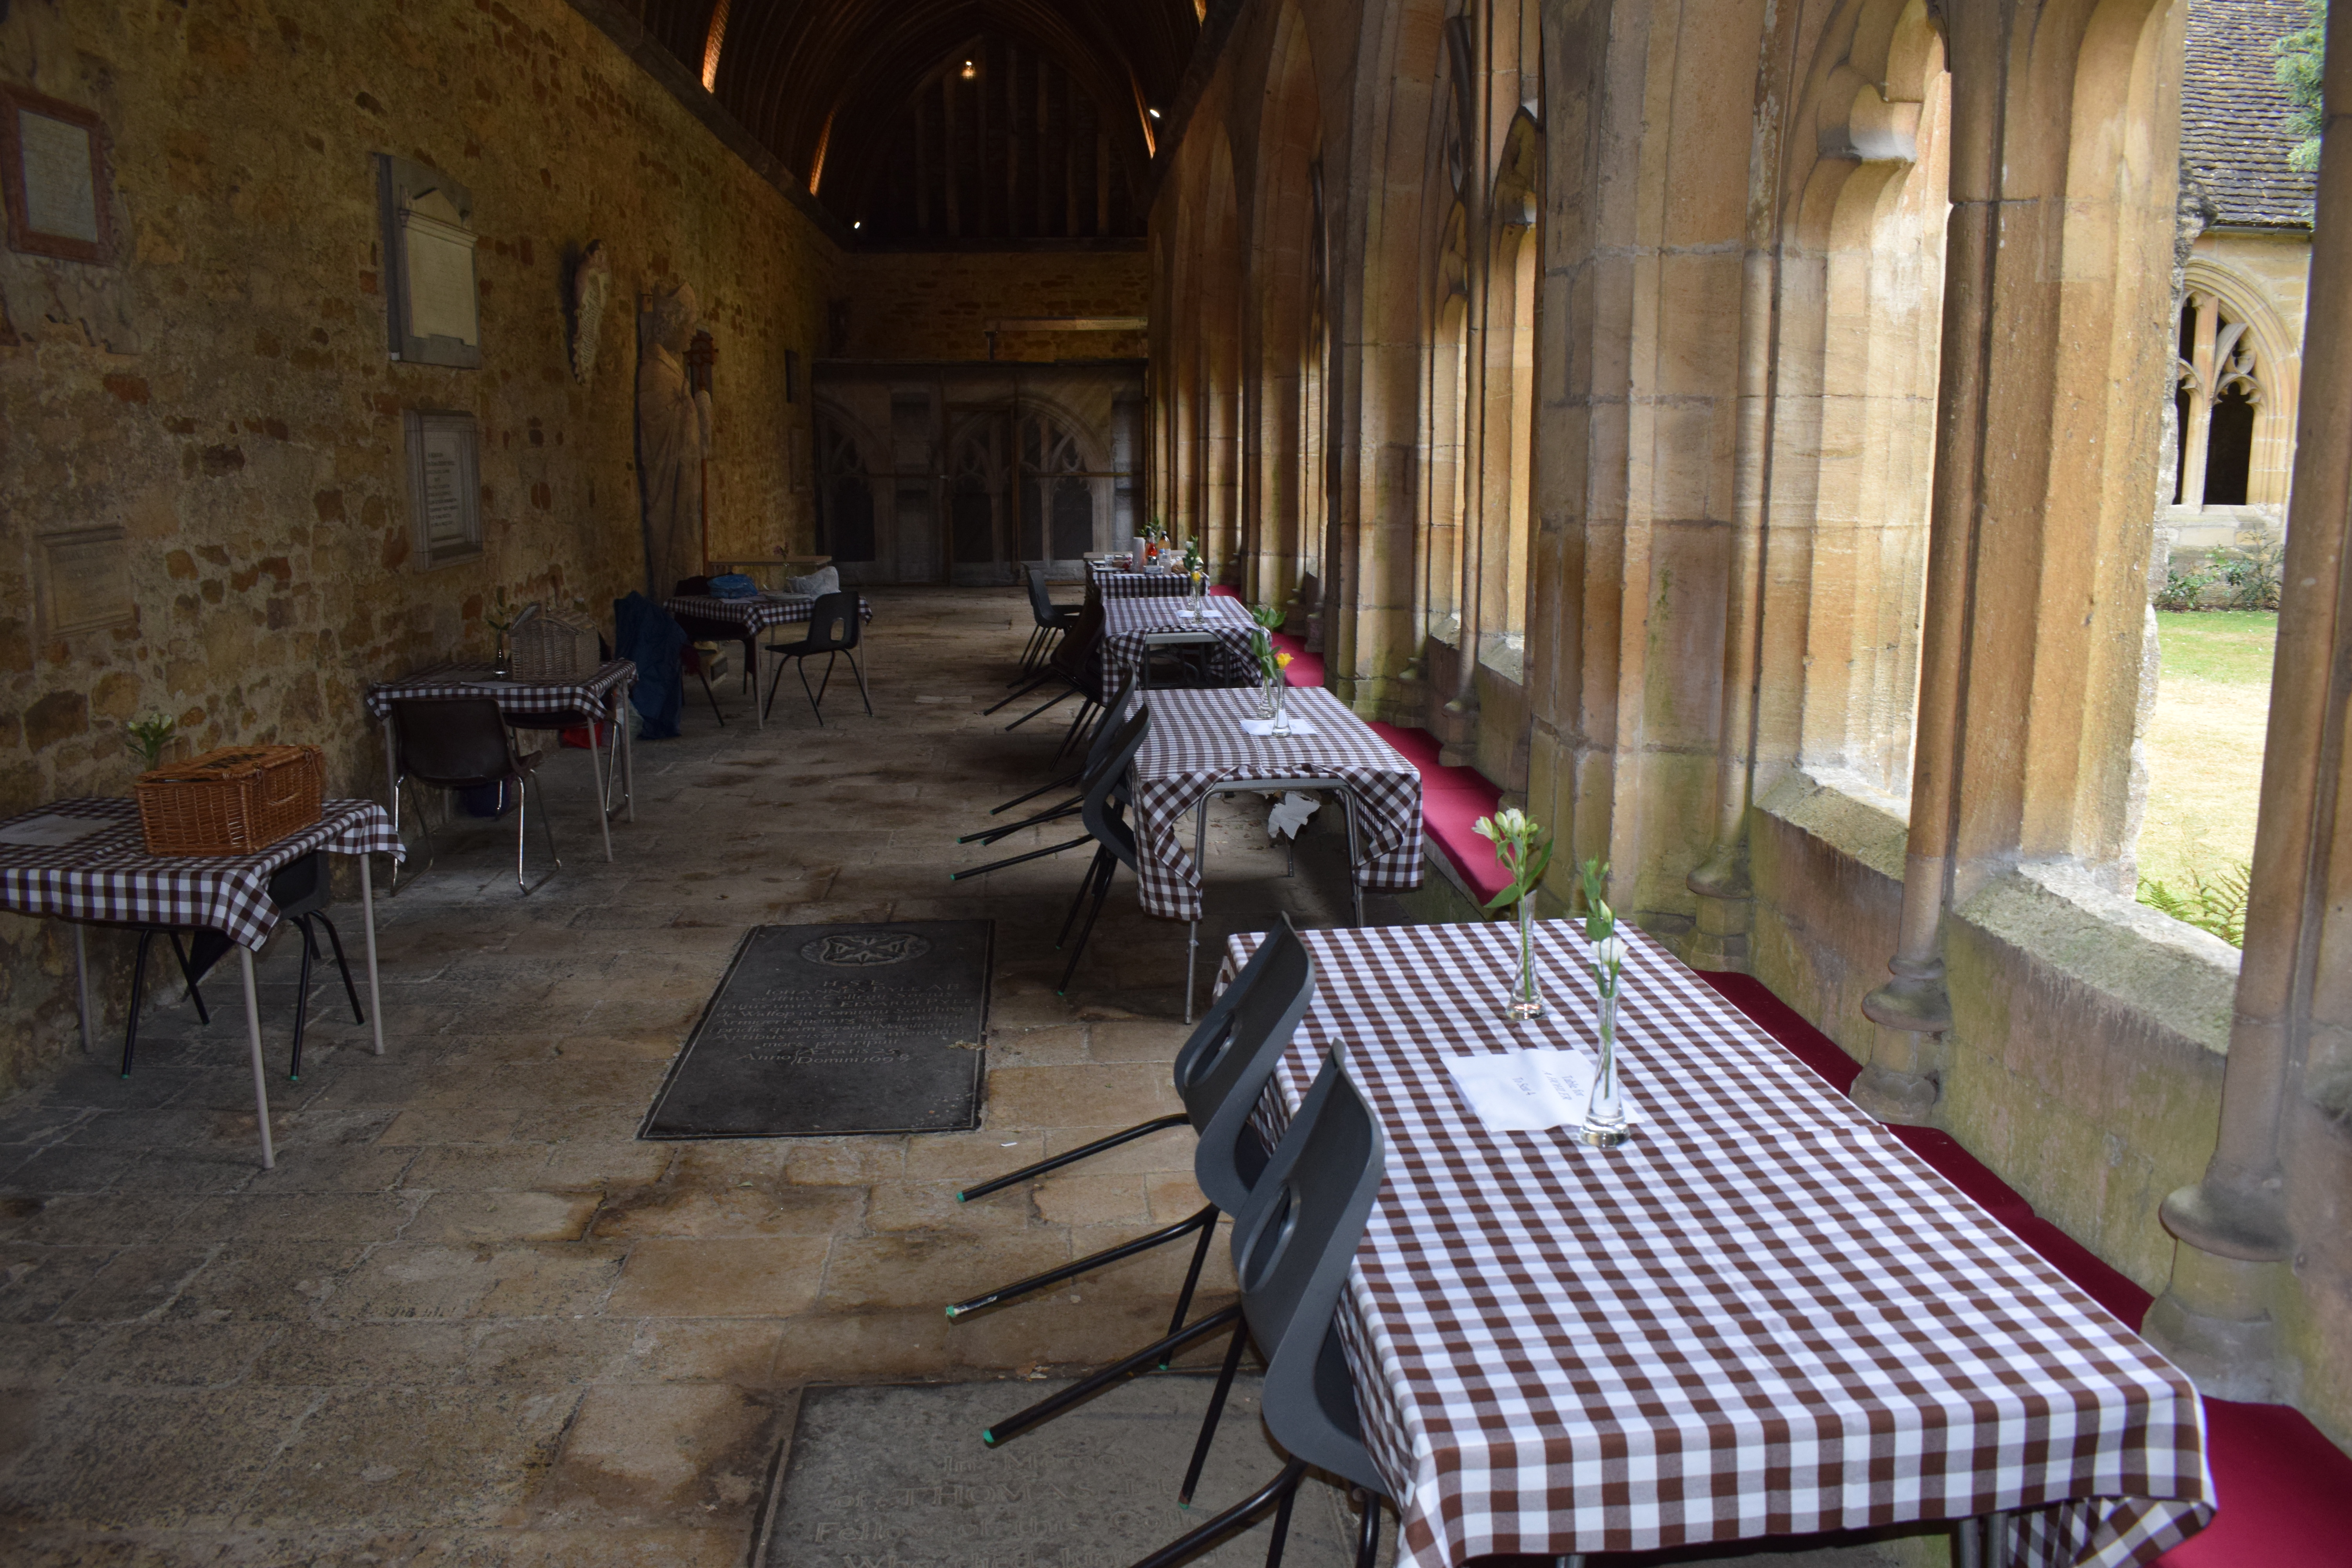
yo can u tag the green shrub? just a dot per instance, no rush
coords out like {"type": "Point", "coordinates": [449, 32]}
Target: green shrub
{"type": "Point", "coordinates": [2218, 906]}
{"type": "Point", "coordinates": [2183, 590]}
{"type": "Point", "coordinates": [2252, 573]}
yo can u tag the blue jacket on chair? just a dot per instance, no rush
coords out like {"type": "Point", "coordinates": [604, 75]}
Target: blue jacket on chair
{"type": "Point", "coordinates": [643, 633]}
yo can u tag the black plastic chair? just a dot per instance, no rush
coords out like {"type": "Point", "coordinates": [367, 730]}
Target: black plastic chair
{"type": "Point", "coordinates": [1053, 622]}
{"type": "Point", "coordinates": [832, 632]}
{"type": "Point", "coordinates": [1221, 1071]}
{"type": "Point", "coordinates": [1113, 712]}
{"type": "Point", "coordinates": [1105, 814]}
{"type": "Point", "coordinates": [300, 890]}
{"type": "Point", "coordinates": [461, 743]}
{"type": "Point", "coordinates": [1072, 664]}
{"type": "Point", "coordinates": [706, 628]}
{"type": "Point", "coordinates": [1294, 1239]}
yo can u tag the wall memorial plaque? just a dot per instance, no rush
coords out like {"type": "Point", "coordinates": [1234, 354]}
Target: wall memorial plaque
{"type": "Point", "coordinates": [85, 579]}
{"type": "Point", "coordinates": [53, 171]}
{"type": "Point", "coordinates": [445, 486]}
{"type": "Point", "coordinates": [432, 312]}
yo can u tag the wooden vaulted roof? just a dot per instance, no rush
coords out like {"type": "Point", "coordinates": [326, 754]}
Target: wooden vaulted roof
{"type": "Point", "coordinates": [830, 80]}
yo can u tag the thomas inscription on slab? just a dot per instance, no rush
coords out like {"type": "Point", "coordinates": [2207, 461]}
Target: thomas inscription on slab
{"type": "Point", "coordinates": [86, 581]}
{"type": "Point", "coordinates": [829, 1029]}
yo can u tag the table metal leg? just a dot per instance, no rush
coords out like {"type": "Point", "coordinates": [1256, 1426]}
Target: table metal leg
{"type": "Point", "coordinates": [600, 768]}
{"type": "Point", "coordinates": [1355, 852]}
{"type": "Point", "coordinates": [367, 915]}
{"type": "Point", "coordinates": [81, 985]}
{"type": "Point", "coordinates": [629, 770]}
{"type": "Point", "coordinates": [759, 679]}
{"type": "Point", "coordinates": [253, 1038]}
{"type": "Point", "coordinates": [1981, 1542]}
{"type": "Point", "coordinates": [391, 788]}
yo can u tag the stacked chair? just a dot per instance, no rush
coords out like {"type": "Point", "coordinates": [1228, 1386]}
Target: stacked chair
{"type": "Point", "coordinates": [1295, 1236]}
{"type": "Point", "coordinates": [1113, 712]}
{"type": "Point", "coordinates": [1054, 622]}
{"type": "Point", "coordinates": [1221, 1071]}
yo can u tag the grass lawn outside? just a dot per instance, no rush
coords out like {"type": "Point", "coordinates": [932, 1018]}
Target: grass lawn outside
{"type": "Point", "coordinates": [2205, 744]}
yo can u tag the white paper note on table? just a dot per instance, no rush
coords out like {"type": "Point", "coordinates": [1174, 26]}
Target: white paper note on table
{"type": "Point", "coordinates": [1524, 1090]}
{"type": "Point", "coordinates": [51, 831]}
{"type": "Point", "coordinates": [1266, 726]}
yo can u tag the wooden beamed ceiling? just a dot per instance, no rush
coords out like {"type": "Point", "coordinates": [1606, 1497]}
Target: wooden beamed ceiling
{"type": "Point", "coordinates": [836, 88]}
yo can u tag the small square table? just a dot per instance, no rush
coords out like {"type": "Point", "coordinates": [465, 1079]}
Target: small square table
{"type": "Point", "coordinates": [599, 699]}
{"type": "Point", "coordinates": [1122, 580]}
{"type": "Point", "coordinates": [710, 618]}
{"type": "Point", "coordinates": [105, 877]}
{"type": "Point", "coordinates": [1233, 658]}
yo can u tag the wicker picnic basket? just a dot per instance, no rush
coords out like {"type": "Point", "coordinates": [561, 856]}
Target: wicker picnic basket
{"type": "Point", "coordinates": [232, 800]}
{"type": "Point", "coordinates": [549, 647]}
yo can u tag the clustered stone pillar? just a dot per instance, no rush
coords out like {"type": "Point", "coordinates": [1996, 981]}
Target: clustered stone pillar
{"type": "Point", "coordinates": [2277, 1172]}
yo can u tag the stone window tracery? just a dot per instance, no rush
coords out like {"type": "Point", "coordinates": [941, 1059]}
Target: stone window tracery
{"type": "Point", "coordinates": [2220, 387]}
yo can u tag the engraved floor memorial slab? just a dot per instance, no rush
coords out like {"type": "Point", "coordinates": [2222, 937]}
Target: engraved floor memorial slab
{"type": "Point", "coordinates": [824, 1030]}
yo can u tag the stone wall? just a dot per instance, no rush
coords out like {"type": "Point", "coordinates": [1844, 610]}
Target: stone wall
{"type": "Point", "coordinates": [934, 306]}
{"type": "Point", "coordinates": [223, 392]}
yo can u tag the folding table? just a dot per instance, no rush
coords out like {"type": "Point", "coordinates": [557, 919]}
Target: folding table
{"type": "Point", "coordinates": [88, 863]}
{"type": "Point", "coordinates": [1761, 1316]}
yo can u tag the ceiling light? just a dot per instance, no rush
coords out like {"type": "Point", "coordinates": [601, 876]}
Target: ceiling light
{"type": "Point", "coordinates": [1153, 112]}
{"type": "Point", "coordinates": [968, 72]}
{"type": "Point", "coordinates": [859, 223]}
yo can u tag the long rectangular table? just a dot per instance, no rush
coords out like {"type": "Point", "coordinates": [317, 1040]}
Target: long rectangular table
{"type": "Point", "coordinates": [1118, 580]}
{"type": "Point", "coordinates": [1762, 1316]}
{"type": "Point", "coordinates": [1127, 622]}
{"type": "Point", "coordinates": [710, 618]}
{"type": "Point", "coordinates": [108, 879]}
{"type": "Point", "coordinates": [600, 701]}
{"type": "Point", "coordinates": [1196, 745]}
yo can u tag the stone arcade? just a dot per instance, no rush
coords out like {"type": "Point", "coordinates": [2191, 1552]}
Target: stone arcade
{"type": "Point", "coordinates": [1742, 432]}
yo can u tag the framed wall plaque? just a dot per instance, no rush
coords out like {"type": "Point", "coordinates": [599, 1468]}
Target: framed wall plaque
{"type": "Point", "coordinates": [445, 486]}
{"type": "Point", "coordinates": [53, 172]}
{"type": "Point", "coordinates": [433, 311]}
{"type": "Point", "coordinates": [85, 579]}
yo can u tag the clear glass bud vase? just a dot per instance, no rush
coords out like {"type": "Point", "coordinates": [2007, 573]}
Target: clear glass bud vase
{"type": "Point", "coordinates": [1604, 1119]}
{"type": "Point", "coordinates": [1526, 989]}
{"type": "Point", "coordinates": [1268, 686]}
{"type": "Point", "coordinates": [1281, 707]}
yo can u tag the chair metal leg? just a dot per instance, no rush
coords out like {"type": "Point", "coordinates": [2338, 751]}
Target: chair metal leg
{"type": "Point", "coordinates": [858, 670]}
{"type": "Point", "coordinates": [775, 677]}
{"type": "Point", "coordinates": [1033, 684]}
{"type": "Point", "coordinates": [1086, 1387]}
{"type": "Point", "coordinates": [546, 827]}
{"type": "Point", "coordinates": [1084, 1151]}
{"type": "Point", "coordinates": [1184, 1548]}
{"type": "Point", "coordinates": [1192, 1275]}
{"type": "Point", "coordinates": [1018, 860]}
{"type": "Point", "coordinates": [816, 698]}
{"type": "Point", "coordinates": [1281, 1528]}
{"type": "Point", "coordinates": [715, 713]}
{"type": "Point", "coordinates": [1216, 1413]}
{"type": "Point", "coordinates": [1063, 783]}
{"type": "Point", "coordinates": [1102, 895]}
{"type": "Point", "coordinates": [1056, 701]}
{"type": "Point", "coordinates": [1087, 710]}
{"type": "Point", "coordinates": [1091, 1261]}
{"type": "Point", "coordinates": [138, 984]}
{"type": "Point", "coordinates": [301, 999]}
{"type": "Point", "coordinates": [1368, 1534]}
{"type": "Point", "coordinates": [1006, 829]}
{"type": "Point", "coordinates": [335, 939]}
{"type": "Point", "coordinates": [187, 975]}
{"type": "Point", "coordinates": [1085, 884]}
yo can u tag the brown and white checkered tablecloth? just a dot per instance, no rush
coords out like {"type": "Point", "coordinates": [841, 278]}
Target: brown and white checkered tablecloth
{"type": "Point", "coordinates": [519, 699]}
{"type": "Point", "coordinates": [111, 876]}
{"type": "Point", "coordinates": [1763, 1316]}
{"type": "Point", "coordinates": [1196, 744]}
{"type": "Point", "coordinates": [1126, 583]}
{"type": "Point", "coordinates": [1127, 622]}
{"type": "Point", "coordinates": [753, 615]}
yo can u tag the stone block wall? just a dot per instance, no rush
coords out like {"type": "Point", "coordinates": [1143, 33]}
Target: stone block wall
{"type": "Point", "coordinates": [934, 306]}
{"type": "Point", "coordinates": [223, 392]}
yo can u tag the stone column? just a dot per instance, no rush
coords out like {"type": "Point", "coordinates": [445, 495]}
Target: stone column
{"type": "Point", "coordinates": [2214, 1317]}
{"type": "Point", "coordinates": [1895, 1084]}
{"type": "Point", "coordinates": [1727, 899]}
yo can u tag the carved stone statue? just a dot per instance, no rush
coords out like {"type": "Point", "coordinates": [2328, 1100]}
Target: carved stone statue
{"type": "Point", "coordinates": [673, 434]}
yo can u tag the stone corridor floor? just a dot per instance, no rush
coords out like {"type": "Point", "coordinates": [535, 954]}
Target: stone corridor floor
{"type": "Point", "coordinates": [469, 1318]}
